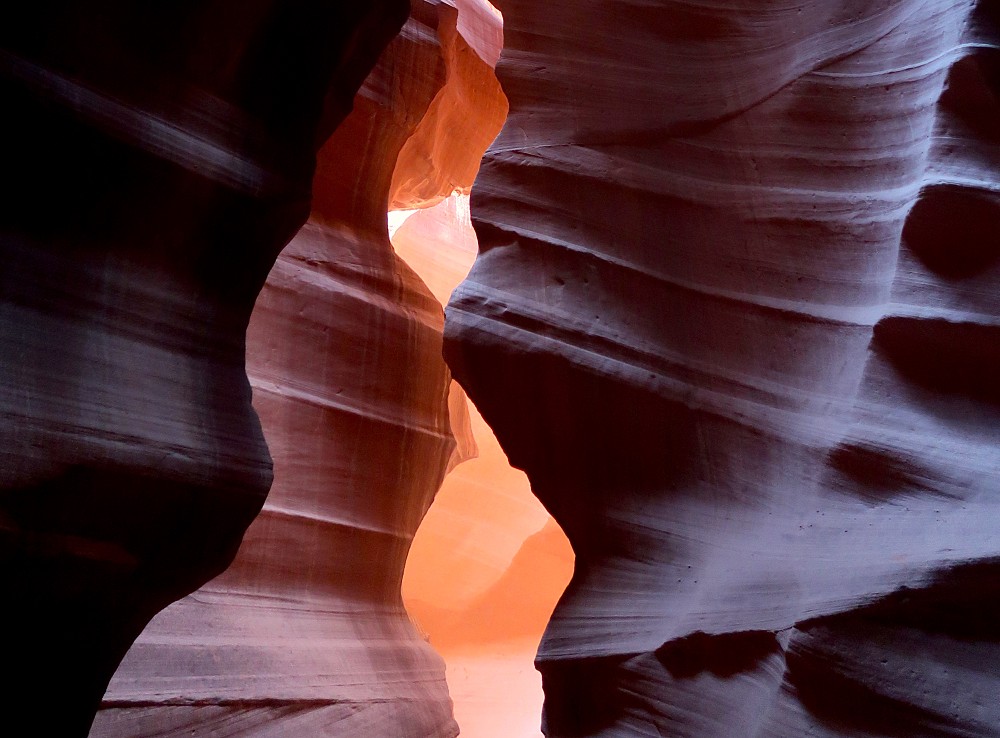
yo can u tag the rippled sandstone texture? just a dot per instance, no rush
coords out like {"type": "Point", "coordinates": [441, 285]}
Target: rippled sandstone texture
{"type": "Point", "coordinates": [157, 156]}
{"type": "Point", "coordinates": [305, 634]}
{"type": "Point", "coordinates": [735, 313]}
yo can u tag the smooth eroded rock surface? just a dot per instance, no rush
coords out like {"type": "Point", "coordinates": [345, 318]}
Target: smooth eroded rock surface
{"type": "Point", "coordinates": [306, 634]}
{"type": "Point", "coordinates": [157, 158]}
{"type": "Point", "coordinates": [735, 314]}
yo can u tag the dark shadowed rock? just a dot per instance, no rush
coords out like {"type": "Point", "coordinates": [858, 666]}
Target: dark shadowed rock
{"type": "Point", "coordinates": [158, 157]}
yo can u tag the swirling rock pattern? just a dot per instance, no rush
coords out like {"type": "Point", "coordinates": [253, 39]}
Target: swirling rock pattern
{"type": "Point", "coordinates": [305, 634]}
{"type": "Point", "coordinates": [158, 156]}
{"type": "Point", "coordinates": [735, 313]}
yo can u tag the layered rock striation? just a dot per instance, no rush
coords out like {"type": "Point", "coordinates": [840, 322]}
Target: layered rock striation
{"type": "Point", "coordinates": [735, 314]}
{"type": "Point", "coordinates": [158, 158]}
{"type": "Point", "coordinates": [306, 634]}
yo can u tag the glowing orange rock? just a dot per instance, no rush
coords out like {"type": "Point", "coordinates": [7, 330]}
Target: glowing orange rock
{"type": "Point", "coordinates": [488, 563]}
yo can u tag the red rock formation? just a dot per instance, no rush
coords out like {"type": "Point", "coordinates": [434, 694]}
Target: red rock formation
{"type": "Point", "coordinates": [735, 315]}
{"type": "Point", "coordinates": [464, 117]}
{"type": "Point", "coordinates": [305, 634]}
{"type": "Point", "coordinates": [158, 157]}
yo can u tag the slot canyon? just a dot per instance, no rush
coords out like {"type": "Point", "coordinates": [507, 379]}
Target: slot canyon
{"type": "Point", "coordinates": [381, 370]}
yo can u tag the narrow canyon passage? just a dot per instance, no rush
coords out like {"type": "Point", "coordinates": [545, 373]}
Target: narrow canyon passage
{"type": "Point", "coordinates": [488, 563]}
{"type": "Point", "coordinates": [733, 308]}
{"type": "Point", "coordinates": [306, 631]}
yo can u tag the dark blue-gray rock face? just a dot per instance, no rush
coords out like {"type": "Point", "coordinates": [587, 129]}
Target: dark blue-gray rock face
{"type": "Point", "coordinates": [736, 315]}
{"type": "Point", "coordinates": [157, 157]}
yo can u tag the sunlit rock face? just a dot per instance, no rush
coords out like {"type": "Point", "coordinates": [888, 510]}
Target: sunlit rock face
{"type": "Point", "coordinates": [735, 313]}
{"type": "Point", "coordinates": [157, 158]}
{"type": "Point", "coordinates": [305, 634]}
{"type": "Point", "coordinates": [444, 152]}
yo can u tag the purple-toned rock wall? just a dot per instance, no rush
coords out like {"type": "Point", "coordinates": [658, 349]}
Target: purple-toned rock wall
{"type": "Point", "coordinates": [157, 157]}
{"type": "Point", "coordinates": [736, 315]}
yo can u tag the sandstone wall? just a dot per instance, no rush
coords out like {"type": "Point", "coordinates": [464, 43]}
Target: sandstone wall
{"type": "Point", "coordinates": [306, 634]}
{"type": "Point", "coordinates": [735, 314]}
{"type": "Point", "coordinates": [157, 157]}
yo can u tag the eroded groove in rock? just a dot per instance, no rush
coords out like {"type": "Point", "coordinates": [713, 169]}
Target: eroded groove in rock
{"type": "Point", "coordinates": [714, 319]}
{"type": "Point", "coordinates": [950, 231]}
{"type": "Point", "coordinates": [305, 634]}
{"type": "Point", "coordinates": [856, 672]}
{"type": "Point", "coordinates": [159, 156]}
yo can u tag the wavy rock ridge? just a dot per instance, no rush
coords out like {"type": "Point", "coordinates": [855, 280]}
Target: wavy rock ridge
{"type": "Point", "coordinates": [734, 314]}
{"type": "Point", "coordinates": [305, 634]}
